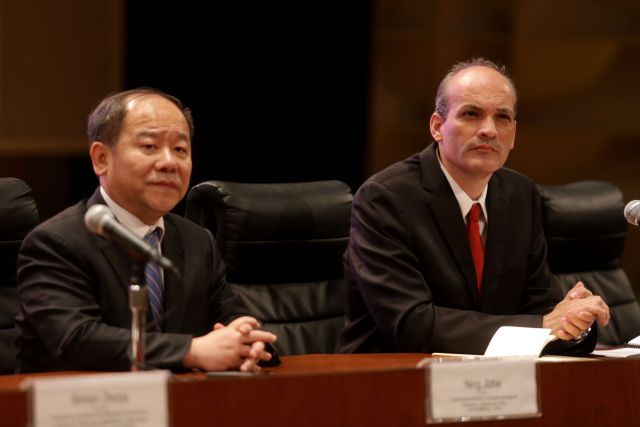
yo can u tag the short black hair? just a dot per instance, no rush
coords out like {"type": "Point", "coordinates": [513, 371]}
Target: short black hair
{"type": "Point", "coordinates": [105, 121]}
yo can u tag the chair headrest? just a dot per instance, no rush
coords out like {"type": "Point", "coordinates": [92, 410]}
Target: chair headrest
{"type": "Point", "coordinates": [18, 212]}
{"type": "Point", "coordinates": [275, 232]}
{"type": "Point", "coordinates": [18, 215]}
{"type": "Point", "coordinates": [584, 225]}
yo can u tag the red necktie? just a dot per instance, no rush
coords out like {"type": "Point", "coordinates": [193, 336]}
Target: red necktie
{"type": "Point", "coordinates": [475, 242]}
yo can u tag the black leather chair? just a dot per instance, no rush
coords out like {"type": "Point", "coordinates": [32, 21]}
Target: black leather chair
{"type": "Point", "coordinates": [585, 229]}
{"type": "Point", "coordinates": [283, 246]}
{"type": "Point", "coordinates": [18, 215]}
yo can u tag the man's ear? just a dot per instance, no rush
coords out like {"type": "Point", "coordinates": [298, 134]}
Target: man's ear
{"type": "Point", "coordinates": [100, 157]}
{"type": "Point", "coordinates": [435, 123]}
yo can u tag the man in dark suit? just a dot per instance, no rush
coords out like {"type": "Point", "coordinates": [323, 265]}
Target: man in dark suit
{"type": "Point", "coordinates": [72, 284]}
{"type": "Point", "coordinates": [425, 276]}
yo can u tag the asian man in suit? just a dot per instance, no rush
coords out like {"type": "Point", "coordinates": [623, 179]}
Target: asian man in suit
{"type": "Point", "coordinates": [72, 284]}
{"type": "Point", "coordinates": [447, 246]}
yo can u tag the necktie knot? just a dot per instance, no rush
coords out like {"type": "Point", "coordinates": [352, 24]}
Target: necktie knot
{"type": "Point", "coordinates": [475, 243]}
{"type": "Point", "coordinates": [153, 237]}
{"type": "Point", "coordinates": [474, 213]}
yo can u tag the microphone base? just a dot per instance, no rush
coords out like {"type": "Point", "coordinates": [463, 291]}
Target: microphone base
{"type": "Point", "coordinates": [139, 305]}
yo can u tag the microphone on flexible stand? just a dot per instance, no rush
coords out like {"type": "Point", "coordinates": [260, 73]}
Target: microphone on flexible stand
{"type": "Point", "coordinates": [100, 220]}
{"type": "Point", "coordinates": [632, 212]}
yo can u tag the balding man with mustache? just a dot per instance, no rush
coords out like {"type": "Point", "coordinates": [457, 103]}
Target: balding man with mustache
{"type": "Point", "coordinates": [447, 246]}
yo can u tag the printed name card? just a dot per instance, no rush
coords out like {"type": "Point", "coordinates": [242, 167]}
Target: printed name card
{"type": "Point", "coordinates": [481, 389]}
{"type": "Point", "coordinates": [133, 399]}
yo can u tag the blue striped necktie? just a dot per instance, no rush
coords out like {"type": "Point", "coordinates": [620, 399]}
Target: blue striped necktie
{"type": "Point", "coordinates": [153, 279]}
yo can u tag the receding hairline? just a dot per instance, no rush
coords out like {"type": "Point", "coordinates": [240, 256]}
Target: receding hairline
{"type": "Point", "coordinates": [506, 83]}
{"type": "Point", "coordinates": [506, 80]}
{"type": "Point", "coordinates": [130, 100]}
{"type": "Point", "coordinates": [133, 97]}
{"type": "Point", "coordinates": [442, 93]}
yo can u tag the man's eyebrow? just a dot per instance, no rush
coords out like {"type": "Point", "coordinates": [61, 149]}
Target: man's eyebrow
{"type": "Point", "coordinates": [474, 106]}
{"type": "Point", "coordinates": [184, 136]}
{"type": "Point", "coordinates": [505, 110]}
{"type": "Point", "coordinates": [144, 133]}
{"type": "Point", "coordinates": [155, 133]}
{"type": "Point", "coordinates": [470, 105]}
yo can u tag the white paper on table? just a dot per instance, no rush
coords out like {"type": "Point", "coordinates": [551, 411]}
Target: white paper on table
{"type": "Point", "coordinates": [634, 342]}
{"type": "Point", "coordinates": [617, 352]}
{"type": "Point", "coordinates": [518, 341]}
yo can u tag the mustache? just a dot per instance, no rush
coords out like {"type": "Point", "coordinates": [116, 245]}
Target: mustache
{"type": "Point", "coordinates": [492, 144]}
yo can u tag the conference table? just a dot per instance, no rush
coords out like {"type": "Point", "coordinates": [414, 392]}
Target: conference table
{"type": "Point", "coordinates": [368, 390]}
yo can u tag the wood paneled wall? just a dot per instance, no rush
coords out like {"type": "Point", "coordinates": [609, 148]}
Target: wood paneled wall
{"type": "Point", "coordinates": [57, 60]}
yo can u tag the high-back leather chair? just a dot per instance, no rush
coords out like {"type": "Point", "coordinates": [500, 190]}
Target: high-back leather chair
{"type": "Point", "coordinates": [18, 215]}
{"type": "Point", "coordinates": [283, 245]}
{"type": "Point", "coordinates": [585, 230]}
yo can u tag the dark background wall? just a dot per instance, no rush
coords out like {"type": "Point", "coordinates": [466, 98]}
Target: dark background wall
{"type": "Point", "coordinates": [278, 93]}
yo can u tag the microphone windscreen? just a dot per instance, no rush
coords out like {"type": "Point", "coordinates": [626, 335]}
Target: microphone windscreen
{"type": "Point", "coordinates": [96, 217]}
{"type": "Point", "coordinates": [632, 212]}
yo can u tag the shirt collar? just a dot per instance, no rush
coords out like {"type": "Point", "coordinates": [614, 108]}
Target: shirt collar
{"type": "Point", "coordinates": [129, 220]}
{"type": "Point", "coordinates": [464, 201]}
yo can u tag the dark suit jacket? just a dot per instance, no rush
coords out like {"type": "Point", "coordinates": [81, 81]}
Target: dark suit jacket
{"type": "Point", "coordinates": [412, 280]}
{"type": "Point", "coordinates": [72, 287]}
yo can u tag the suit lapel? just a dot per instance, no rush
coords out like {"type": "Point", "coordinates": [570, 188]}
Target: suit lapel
{"type": "Point", "coordinates": [176, 289]}
{"type": "Point", "coordinates": [497, 234]}
{"type": "Point", "coordinates": [446, 211]}
{"type": "Point", "coordinates": [116, 257]}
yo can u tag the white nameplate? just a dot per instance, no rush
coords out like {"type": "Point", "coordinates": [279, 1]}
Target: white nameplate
{"type": "Point", "coordinates": [133, 399]}
{"type": "Point", "coordinates": [482, 389]}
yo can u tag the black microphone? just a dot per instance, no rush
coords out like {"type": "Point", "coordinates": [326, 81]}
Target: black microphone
{"type": "Point", "coordinates": [100, 220]}
{"type": "Point", "coordinates": [632, 212]}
